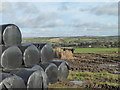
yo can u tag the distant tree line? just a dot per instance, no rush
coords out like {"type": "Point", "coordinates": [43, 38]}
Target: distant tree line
{"type": "Point", "coordinates": [90, 44]}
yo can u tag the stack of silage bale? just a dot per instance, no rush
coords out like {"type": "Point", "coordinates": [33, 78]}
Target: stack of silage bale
{"type": "Point", "coordinates": [27, 65]}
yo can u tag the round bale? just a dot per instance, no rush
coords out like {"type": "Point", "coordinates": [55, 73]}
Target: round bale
{"type": "Point", "coordinates": [13, 82]}
{"type": "Point", "coordinates": [31, 56]}
{"type": "Point", "coordinates": [44, 75]}
{"type": "Point", "coordinates": [46, 53]}
{"type": "Point", "coordinates": [10, 35]}
{"type": "Point", "coordinates": [52, 73]}
{"type": "Point", "coordinates": [35, 80]}
{"type": "Point", "coordinates": [63, 69]}
{"type": "Point", "coordinates": [11, 58]}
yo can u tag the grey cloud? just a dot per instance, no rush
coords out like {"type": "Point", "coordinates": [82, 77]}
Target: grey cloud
{"type": "Point", "coordinates": [54, 23]}
{"type": "Point", "coordinates": [5, 7]}
{"type": "Point", "coordinates": [86, 28]}
{"type": "Point", "coordinates": [96, 26]}
{"type": "Point", "coordinates": [24, 7]}
{"type": "Point", "coordinates": [119, 13]}
{"type": "Point", "coordinates": [35, 21]}
{"type": "Point", "coordinates": [30, 16]}
{"type": "Point", "coordinates": [97, 29]}
{"type": "Point", "coordinates": [106, 9]}
{"type": "Point", "coordinates": [63, 8]}
{"type": "Point", "coordinates": [27, 7]}
{"type": "Point", "coordinates": [1, 7]}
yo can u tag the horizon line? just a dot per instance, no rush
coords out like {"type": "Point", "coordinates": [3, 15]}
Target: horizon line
{"type": "Point", "coordinates": [71, 36]}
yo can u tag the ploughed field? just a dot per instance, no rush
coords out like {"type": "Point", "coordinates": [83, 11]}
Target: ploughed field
{"type": "Point", "coordinates": [95, 68]}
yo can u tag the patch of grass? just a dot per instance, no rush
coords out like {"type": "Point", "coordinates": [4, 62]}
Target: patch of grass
{"type": "Point", "coordinates": [105, 75]}
{"type": "Point", "coordinates": [35, 40]}
{"type": "Point", "coordinates": [95, 50]}
{"type": "Point", "coordinates": [108, 83]}
{"type": "Point", "coordinates": [88, 39]}
{"type": "Point", "coordinates": [57, 85]}
{"type": "Point", "coordinates": [114, 55]}
{"type": "Point", "coordinates": [94, 77]}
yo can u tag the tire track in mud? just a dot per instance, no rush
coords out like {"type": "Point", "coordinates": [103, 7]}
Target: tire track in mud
{"type": "Point", "coordinates": [94, 63]}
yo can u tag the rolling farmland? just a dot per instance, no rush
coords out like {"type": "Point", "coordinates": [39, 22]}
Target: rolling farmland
{"type": "Point", "coordinates": [96, 63]}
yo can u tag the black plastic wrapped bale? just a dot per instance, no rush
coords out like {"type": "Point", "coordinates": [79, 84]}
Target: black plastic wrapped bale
{"type": "Point", "coordinates": [2, 49]}
{"type": "Point", "coordinates": [1, 69]}
{"type": "Point", "coordinates": [45, 80]}
{"type": "Point", "coordinates": [31, 56]}
{"type": "Point", "coordinates": [44, 65]}
{"type": "Point", "coordinates": [24, 46]}
{"type": "Point", "coordinates": [46, 53]}
{"type": "Point", "coordinates": [4, 75]}
{"type": "Point", "coordinates": [52, 73]}
{"type": "Point", "coordinates": [11, 58]}
{"type": "Point", "coordinates": [44, 75]}
{"type": "Point", "coordinates": [30, 78]}
{"type": "Point", "coordinates": [13, 82]}
{"type": "Point", "coordinates": [63, 69]}
{"type": "Point", "coordinates": [25, 74]}
{"type": "Point", "coordinates": [35, 80]}
{"type": "Point", "coordinates": [39, 45]}
{"type": "Point", "coordinates": [10, 35]}
{"type": "Point", "coordinates": [37, 67]}
{"type": "Point", "coordinates": [12, 71]}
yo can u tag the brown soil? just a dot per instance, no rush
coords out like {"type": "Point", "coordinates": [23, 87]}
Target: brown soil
{"type": "Point", "coordinates": [93, 62]}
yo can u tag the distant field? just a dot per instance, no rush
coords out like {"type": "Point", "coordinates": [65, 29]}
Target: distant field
{"type": "Point", "coordinates": [95, 50]}
{"type": "Point", "coordinates": [81, 42]}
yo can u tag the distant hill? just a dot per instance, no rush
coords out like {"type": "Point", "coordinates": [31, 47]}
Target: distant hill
{"type": "Point", "coordinates": [95, 41]}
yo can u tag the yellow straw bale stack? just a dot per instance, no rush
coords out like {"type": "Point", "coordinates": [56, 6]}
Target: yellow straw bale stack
{"type": "Point", "coordinates": [60, 53]}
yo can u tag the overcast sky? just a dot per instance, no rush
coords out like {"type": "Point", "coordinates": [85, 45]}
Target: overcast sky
{"type": "Point", "coordinates": [56, 19]}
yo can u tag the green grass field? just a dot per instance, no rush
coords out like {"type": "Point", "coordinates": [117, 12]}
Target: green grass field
{"type": "Point", "coordinates": [94, 77]}
{"type": "Point", "coordinates": [95, 50]}
{"type": "Point", "coordinates": [98, 78]}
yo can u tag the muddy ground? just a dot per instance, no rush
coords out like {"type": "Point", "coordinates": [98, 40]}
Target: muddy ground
{"type": "Point", "coordinates": [93, 62]}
